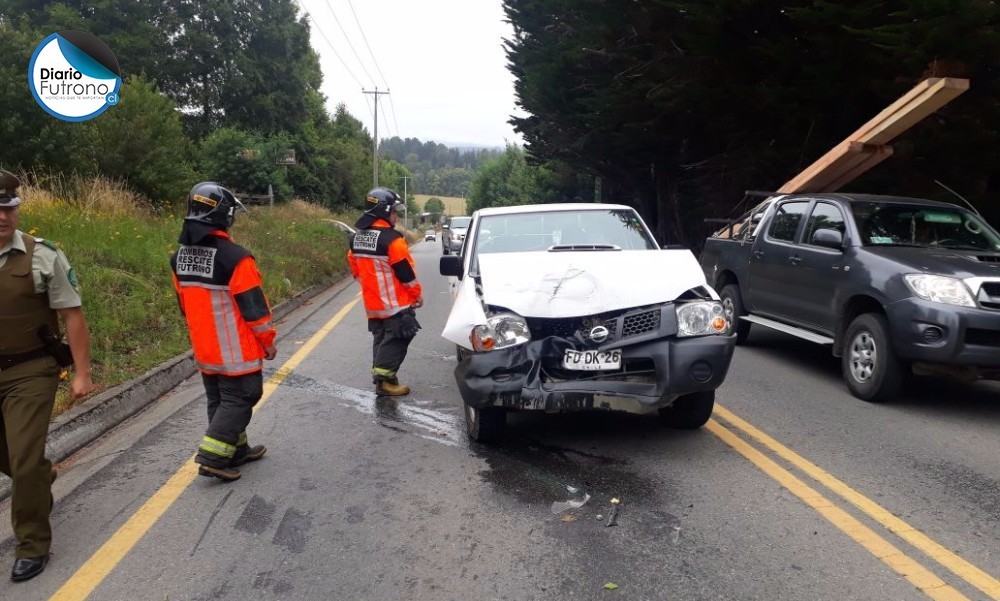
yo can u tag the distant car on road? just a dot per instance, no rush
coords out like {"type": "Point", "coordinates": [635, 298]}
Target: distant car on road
{"type": "Point", "coordinates": [430, 235]}
{"type": "Point", "coordinates": [453, 233]}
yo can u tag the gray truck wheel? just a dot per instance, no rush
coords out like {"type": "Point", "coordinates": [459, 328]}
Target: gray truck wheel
{"type": "Point", "coordinates": [486, 424]}
{"type": "Point", "coordinates": [689, 411]}
{"type": "Point", "coordinates": [732, 305]}
{"type": "Point", "coordinates": [871, 369]}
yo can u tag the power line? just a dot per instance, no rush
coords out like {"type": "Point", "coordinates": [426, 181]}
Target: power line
{"type": "Point", "coordinates": [384, 117]}
{"type": "Point", "coordinates": [365, 38]}
{"type": "Point", "coordinates": [328, 43]}
{"type": "Point", "coordinates": [349, 44]}
{"type": "Point", "coordinates": [393, 107]}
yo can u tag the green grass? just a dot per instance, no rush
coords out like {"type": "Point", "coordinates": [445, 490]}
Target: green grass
{"type": "Point", "coordinates": [122, 258]}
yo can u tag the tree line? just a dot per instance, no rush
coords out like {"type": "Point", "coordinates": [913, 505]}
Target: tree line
{"type": "Point", "coordinates": [213, 89]}
{"type": "Point", "coordinates": [677, 107]}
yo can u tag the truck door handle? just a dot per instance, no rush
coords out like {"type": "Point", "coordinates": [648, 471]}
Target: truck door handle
{"type": "Point", "coordinates": [794, 259]}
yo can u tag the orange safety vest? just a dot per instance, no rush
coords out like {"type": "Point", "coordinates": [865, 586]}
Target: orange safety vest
{"type": "Point", "coordinates": [220, 294]}
{"type": "Point", "coordinates": [380, 260]}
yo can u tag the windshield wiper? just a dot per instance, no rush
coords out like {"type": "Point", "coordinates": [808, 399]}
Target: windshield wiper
{"type": "Point", "coordinates": [565, 247]}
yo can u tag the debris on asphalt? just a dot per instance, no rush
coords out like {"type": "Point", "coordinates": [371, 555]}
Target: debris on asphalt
{"type": "Point", "coordinates": [610, 586]}
{"type": "Point", "coordinates": [569, 517]}
{"type": "Point", "coordinates": [561, 506]}
{"type": "Point", "coordinates": [612, 516]}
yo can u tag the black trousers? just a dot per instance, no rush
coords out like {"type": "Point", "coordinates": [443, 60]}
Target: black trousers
{"type": "Point", "coordinates": [231, 400]}
{"type": "Point", "coordinates": [388, 348]}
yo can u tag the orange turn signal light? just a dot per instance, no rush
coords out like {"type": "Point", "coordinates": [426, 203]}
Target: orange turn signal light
{"type": "Point", "coordinates": [719, 324]}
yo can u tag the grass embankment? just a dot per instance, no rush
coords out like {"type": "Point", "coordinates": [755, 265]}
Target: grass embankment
{"type": "Point", "coordinates": [121, 253]}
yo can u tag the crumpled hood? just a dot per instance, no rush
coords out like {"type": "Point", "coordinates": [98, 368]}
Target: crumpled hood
{"type": "Point", "coordinates": [576, 283]}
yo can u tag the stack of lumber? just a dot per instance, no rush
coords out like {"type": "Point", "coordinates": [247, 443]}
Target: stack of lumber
{"type": "Point", "coordinates": [869, 146]}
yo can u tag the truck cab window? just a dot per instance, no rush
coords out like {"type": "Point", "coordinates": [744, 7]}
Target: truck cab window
{"type": "Point", "coordinates": [824, 216]}
{"type": "Point", "coordinates": [786, 221]}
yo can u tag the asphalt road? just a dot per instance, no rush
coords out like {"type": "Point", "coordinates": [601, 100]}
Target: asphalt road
{"type": "Point", "coordinates": [794, 491]}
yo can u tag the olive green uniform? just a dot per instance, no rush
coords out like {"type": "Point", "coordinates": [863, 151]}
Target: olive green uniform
{"type": "Point", "coordinates": [35, 280]}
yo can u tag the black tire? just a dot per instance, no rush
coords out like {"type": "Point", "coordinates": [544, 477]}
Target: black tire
{"type": "Point", "coordinates": [486, 424]}
{"type": "Point", "coordinates": [732, 304]}
{"type": "Point", "coordinates": [871, 369]}
{"type": "Point", "coordinates": [690, 411]}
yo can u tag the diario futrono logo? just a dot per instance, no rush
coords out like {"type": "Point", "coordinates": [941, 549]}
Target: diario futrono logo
{"type": "Point", "coordinates": [74, 76]}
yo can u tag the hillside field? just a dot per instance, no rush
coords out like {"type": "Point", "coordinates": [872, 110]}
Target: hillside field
{"type": "Point", "coordinates": [453, 205]}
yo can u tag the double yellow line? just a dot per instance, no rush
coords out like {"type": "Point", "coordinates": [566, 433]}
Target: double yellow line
{"type": "Point", "coordinates": [96, 569]}
{"type": "Point", "coordinates": [914, 572]}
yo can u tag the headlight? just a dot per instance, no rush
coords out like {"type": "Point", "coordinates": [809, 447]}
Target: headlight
{"type": "Point", "coordinates": [700, 319]}
{"type": "Point", "coordinates": [940, 289]}
{"type": "Point", "coordinates": [501, 331]}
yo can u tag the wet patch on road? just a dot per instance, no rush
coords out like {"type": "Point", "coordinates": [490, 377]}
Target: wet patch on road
{"type": "Point", "coordinates": [293, 531]}
{"type": "Point", "coordinates": [257, 516]}
{"type": "Point", "coordinates": [399, 414]}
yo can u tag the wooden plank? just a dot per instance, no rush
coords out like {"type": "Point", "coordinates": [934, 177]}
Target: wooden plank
{"type": "Point", "coordinates": [921, 101]}
{"type": "Point", "coordinates": [881, 154]}
{"type": "Point", "coordinates": [828, 167]}
{"type": "Point", "coordinates": [866, 147]}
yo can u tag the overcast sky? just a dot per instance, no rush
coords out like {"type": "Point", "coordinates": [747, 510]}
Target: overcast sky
{"type": "Point", "coordinates": [442, 60]}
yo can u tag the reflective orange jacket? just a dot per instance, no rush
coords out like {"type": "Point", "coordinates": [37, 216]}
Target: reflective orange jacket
{"type": "Point", "coordinates": [220, 294]}
{"type": "Point", "coordinates": [380, 260]}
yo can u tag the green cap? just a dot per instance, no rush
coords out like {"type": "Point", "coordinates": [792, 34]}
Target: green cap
{"type": "Point", "coordinates": [8, 189]}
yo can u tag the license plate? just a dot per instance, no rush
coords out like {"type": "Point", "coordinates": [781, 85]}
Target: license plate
{"type": "Point", "coordinates": [592, 360]}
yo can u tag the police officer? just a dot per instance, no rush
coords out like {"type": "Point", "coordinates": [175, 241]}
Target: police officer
{"type": "Point", "coordinates": [380, 261]}
{"type": "Point", "coordinates": [229, 321]}
{"type": "Point", "coordinates": [37, 287]}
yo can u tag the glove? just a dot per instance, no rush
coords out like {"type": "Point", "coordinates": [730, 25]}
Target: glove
{"type": "Point", "coordinates": [408, 325]}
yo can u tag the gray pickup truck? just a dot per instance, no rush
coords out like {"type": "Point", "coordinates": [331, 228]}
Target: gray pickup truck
{"type": "Point", "coordinates": [891, 284]}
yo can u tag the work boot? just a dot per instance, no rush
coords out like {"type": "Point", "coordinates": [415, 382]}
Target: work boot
{"type": "Point", "coordinates": [226, 474]}
{"type": "Point", "coordinates": [251, 454]}
{"type": "Point", "coordinates": [391, 389]}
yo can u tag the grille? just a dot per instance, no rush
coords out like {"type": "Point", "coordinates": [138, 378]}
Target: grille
{"type": "Point", "coordinates": [640, 323]}
{"type": "Point", "coordinates": [541, 328]}
{"type": "Point", "coordinates": [989, 258]}
{"type": "Point", "coordinates": [982, 337]}
{"type": "Point", "coordinates": [991, 288]}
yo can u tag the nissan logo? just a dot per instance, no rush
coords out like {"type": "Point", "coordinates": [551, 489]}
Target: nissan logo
{"type": "Point", "coordinates": [599, 334]}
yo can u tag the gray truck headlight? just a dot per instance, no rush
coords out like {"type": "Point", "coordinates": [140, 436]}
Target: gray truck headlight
{"type": "Point", "coordinates": [501, 331]}
{"type": "Point", "coordinates": [940, 289]}
{"type": "Point", "coordinates": [701, 318]}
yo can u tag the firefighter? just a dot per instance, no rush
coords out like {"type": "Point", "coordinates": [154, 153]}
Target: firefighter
{"type": "Point", "coordinates": [229, 322]}
{"type": "Point", "coordinates": [37, 287]}
{"type": "Point", "coordinates": [380, 261]}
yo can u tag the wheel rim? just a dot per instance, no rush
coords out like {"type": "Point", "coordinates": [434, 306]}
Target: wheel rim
{"type": "Point", "coordinates": [864, 356]}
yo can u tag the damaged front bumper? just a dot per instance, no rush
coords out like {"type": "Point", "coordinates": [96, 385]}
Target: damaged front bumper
{"type": "Point", "coordinates": [653, 374]}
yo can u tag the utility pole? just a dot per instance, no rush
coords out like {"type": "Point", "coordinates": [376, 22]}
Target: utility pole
{"type": "Point", "coordinates": [406, 202]}
{"type": "Point", "coordinates": [375, 158]}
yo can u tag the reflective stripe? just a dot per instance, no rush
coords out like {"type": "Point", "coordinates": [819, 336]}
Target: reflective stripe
{"type": "Point", "coordinates": [382, 314]}
{"type": "Point", "coordinates": [386, 287]}
{"type": "Point", "coordinates": [186, 284]}
{"type": "Point", "coordinates": [381, 371]}
{"type": "Point", "coordinates": [412, 284]}
{"type": "Point", "coordinates": [236, 369]}
{"type": "Point", "coordinates": [257, 329]}
{"type": "Point", "coordinates": [242, 440]}
{"type": "Point", "coordinates": [226, 328]}
{"type": "Point", "coordinates": [217, 447]}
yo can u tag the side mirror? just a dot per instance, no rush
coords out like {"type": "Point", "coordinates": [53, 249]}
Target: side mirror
{"type": "Point", "coordinates": [444, 226]}
{"type": "Point", "coordinates": [451, 265]}
{"type": "Point", "coordinates": [828, 238]}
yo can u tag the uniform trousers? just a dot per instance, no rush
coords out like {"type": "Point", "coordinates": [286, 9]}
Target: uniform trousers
{"type": "Point", "coordinates": [231, 400]}
{"type": "Point", "coordinates": [28, 391]}
{"type": "Point", "coordinates": [389, 348]}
